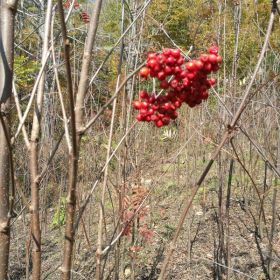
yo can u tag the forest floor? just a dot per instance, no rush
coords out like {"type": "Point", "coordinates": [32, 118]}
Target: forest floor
{"type": "Point", "coordinates": [201, 252]}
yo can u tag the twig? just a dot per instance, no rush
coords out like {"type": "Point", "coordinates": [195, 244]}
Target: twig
{"type": "Point", "coordinates": [32, 95]}
{"type": "Point", "coordinates": [86, 201]}
{"type": "Point", "coordinates": [116, 44]}
{"type": "Point", "coordinates": [261, 199]}
{"type": "Point", "coordinates": [45, 169]}
{"type": "Point", "coordinates": [186, 55]}
{"type": "Point", "coordinates": [116, 239]}
{"type": "Point", "coordinates": [25, 136]}
{"type": "Point", "coordinates": [243, 130]}
{"type": "Point", "coordinates": [94, 119]}
{"type": "Point", "coordinates": [65, 120]}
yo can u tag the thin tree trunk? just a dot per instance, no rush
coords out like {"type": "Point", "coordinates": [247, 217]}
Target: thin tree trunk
{"type": "Point", "coordinates": [34, 211]}
{"type": "Point", "coordinates": [33, 161]}
{"type": "Point", "coordinates": [76, 126]}
{"type": "Point", "coordinates": [4, 204]}
{"type": "Point", "coordinates": [7, 15]}
{"type": "Point", "coordinates": [274, 202]}
{"type": "Point", "coordinates": [73, 160]}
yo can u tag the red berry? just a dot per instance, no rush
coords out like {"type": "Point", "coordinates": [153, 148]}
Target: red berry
{"type": "Point", "coordinates": [166, 120]}
{"type": "Point", "coordinates": [143, 112]}
{"type": "Point", "coordinates": [137, 105]}
{"type": "Point", "coordinates": [144, 105]}
{"type": "Point", "coordinates": [213, 50]}
{"type": "Point", "coordinates": [168, 70]}
{"type": "Point", "coordinates": [202, 76]}
{"type": "Point", "coordinates": [143, 94]}
{"type": "Point", "coordinates": [212, 58]}
{"type": "Point", "coordinates": [191, 104]}
{"type": "Point", "coordinates": [152, 55]}
{"type": "Point", "coordinates": [161, 75]}
{"type": "Point", "coordinates": [164, 84]}
{"type": "Point", "coordinates": [191, 75]}
{"type": "Point", "coordinates": [67, 4]}
{"type": "Point", "coordinates": [177, 104]}
{"type": "Point", "coordinates": [152, 99]}
{"type": "Point", "coordinates": [154, 118]}
{"type": "Point", "coordinates": [207, 67]}
{"type": "Point", "coordinates": [161, 58]}
{"type": "Point", "coordinates": [157, 68]}
{"type": "Point", "coordinates": [203, 87]}
{"type": "Point", "coordinates": [174, 83]}
{"type": "Point", "coordinates": [139, 117]}
{"type": "Point", "coordinates": [152, 63]}
{"type": "Point", "coordinates": [176, 53]}
{"type": "Point", "coordinates": [179, 88]}
{"type": "Point", "coordinates": [191, 66]}
{"type": "Point", "coordinates": [166, 51]}
{"type": "Point", "coordinates": [155, 107]}
{"type": "Point", "coordinates": [178, 70]}
{"type": "Point", "coordinates": [84, 16]}
{"type": "Point", "coordinates": [150, 112]}
{"type": "Point", "coordinates": [183, 74]}
{"type": "Point", "coordinates": [147, 118]}
{"type": "Point", "coordinates": [219, 59]}
{"type": "Point", "coordinates": [174, 115]}
{"type": "Point", "coordinates": [205, 95]}
{"type": "Point", "coordinates": [167, 106]}
{"type": "Point", "coordinates": [204, 58]}
{"type": "Point", "coordinates": [212, 81]}
{"type": "Point", "coordinates": [144, 72]}
{"type": "Point", "coordinates": [180, 61]}
{"type": "Point", "coordinates": [199, 64]}
{"type": "Point", "coordinates": [153, 73]}
{"type": "Point", "coordinates": [159, 123]}
{"type": "Point", "coordinates": [170, 60]}
{"type": "Point", "coordinates": [186, 82]}
{"type": "Point", "coordinates": [172, 107]}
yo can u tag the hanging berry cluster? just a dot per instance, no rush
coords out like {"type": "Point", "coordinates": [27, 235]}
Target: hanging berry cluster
{"type": "Point", "coordinates": [85, 17]}
{"type": "Point", "coordinates": [180, 82]}
{"type": "Point", "coordinates": [83, 14]}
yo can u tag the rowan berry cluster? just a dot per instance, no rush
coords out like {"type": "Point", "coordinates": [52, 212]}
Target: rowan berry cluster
{"type": "Point", "coordinates": [180, 81]}
{"type": "Point", "coordinates": [83, 14]}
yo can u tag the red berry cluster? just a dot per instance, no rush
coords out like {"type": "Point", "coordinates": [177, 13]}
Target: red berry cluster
{"type": "Point", "coordinates": [67, 4]}
{"type": "Point", "coordinates": [83, 15]}
{"type": "Point", "coordinates": [181, 82]}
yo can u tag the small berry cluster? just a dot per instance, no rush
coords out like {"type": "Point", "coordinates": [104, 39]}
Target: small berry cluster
{"type": "Point", "coordinates": [83, 15]}
{"type": "Point", "coordinates": [182, 82]}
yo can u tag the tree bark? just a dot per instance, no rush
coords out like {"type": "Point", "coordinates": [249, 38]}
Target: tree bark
{"type": "Point", "coordinates": [4, 203]}
{"type": "Point", "coordinates": [7, 15]}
